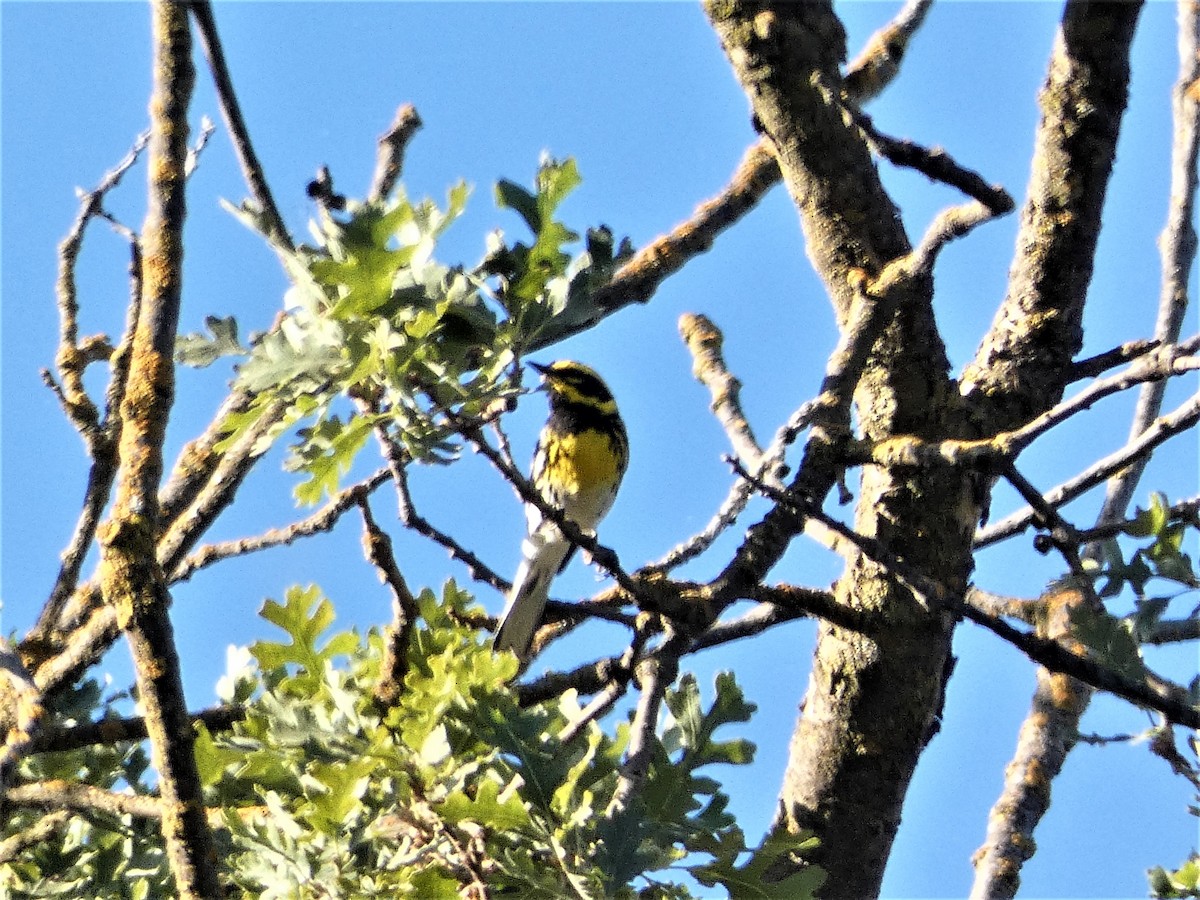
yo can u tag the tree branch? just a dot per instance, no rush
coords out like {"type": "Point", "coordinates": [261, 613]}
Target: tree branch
{"type": "Point", "coordinates": [231, 112]}
{"type": "Point", "coordinates": [1182, 419]}
{"type": "Point", "coordinates": [878, 63]}
{"type": "Point", "coordinates": [1177, 246]}
{"type": "Point", "coordinates": [132, 582]}
{"type": "Point", "coordinates": [389, 160]}
{"type": "Point", "coordinates": [321, 521]}
{"type": "Point", "coordinates": [377, 547]}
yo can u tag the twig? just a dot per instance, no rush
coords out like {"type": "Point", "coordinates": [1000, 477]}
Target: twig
{"type": "Point", "coordinates": [100, 435]}
{"type": "Point", "coordinates": [215, 493]}
{"type": "Point", "coordinates": [638, 279]}
{"type": "Point", "coordinates": [656, 674]}
{"type": "Point", "coordinates": [1062, 535]}
{"type": "Point", "coordinates": [878, 63]}
{"type": "Point", "coordinates": [24, 699]}
{"type": "Point", "coordinates": [69, 361]}
{"type": "Point", "coordinates": [937, 165]}
{"type": "Point", "coordinates": [35, 835]}
{"type": "Point", "coordinates": [585, 680]}
{"type": "Point", "coordinates": [377, 547]}
{"type": "Point", "coordinates": [389, 161]}
{"type": "Point", "coordinates": [321, 521]}
{"type": "Point", "coordinates": [231, 112]}
{"type": "Point", "coordinates": [619, 677]}
{"type": "Point", "coordinates": [1183, 418]}
{"type": "Point", "coordinates": [905, 450]}
{"type": "Point", "coordinates": [704, 341]}
{"type": "Point", "coordinates": [397, 463]}
{"type": "Point", "coordinates": [84, 798]}
{"type": "Point", "coordinates": [207, 129]}
{"type": "Point", "coordinates": [132, 728]}
{"type": "Point", "coordinates": [1045, 652]}
{"type": "Point", "coordinates": [1173, 631]}
{"type": "Point", "coordinates": [1028, 611]}
{"type": "Point", "coordinates": [1177, 246]}
{"type": "Point", "coordinates": [1110, 359]}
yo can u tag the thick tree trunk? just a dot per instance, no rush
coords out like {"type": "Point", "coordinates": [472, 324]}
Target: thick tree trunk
{"type": "Point", "coordinates": [874, 699]}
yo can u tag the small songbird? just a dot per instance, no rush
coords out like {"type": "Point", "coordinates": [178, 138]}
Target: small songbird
{"type": "Point", "coordinates": [581, 455]}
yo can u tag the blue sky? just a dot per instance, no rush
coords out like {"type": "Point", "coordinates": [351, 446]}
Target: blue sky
{"type": "Point", "coordinates": [642, 97]}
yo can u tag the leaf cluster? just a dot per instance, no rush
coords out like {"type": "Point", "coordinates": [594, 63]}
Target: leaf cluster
{"type": "Point", "coordinates": [373, 316]}
{"type": "Point", "coordinates": [100, 854]}
{"type": "Point", "coordinates": [321, 792]}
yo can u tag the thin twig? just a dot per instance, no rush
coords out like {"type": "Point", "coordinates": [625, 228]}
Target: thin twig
{"type": "Point", "coordinates": [1182, 419]}
{"type": "Point", "coordinates": [1177, 246]}
{"type": "Point", "coordinates": [878, 63]}
{"type": "Point", "coordinates": [1047, 653]}
{"type": "Point", "coordinates": [231, 112]}
{"type": "Point", "coordinates": [321, 521]}
{"type": "Point", "coordinates": [704, 340]}
{"type": "Point", "coordinates": [656, 673]}
{"type": "Point", "coordinates": [84, 798]}
{"type": "Point", "coordinates": [377, 547]}
{"type": "Point", "coordinates": [133, 728]}
{"type": "Point", "coordinates": [936, 164]}
{"type": "Point", "coordinates": [639, 278]}
{"type": "Point", "coordinates": [397, 463]}
{"type": "Point", "coordinates": [37, 834]}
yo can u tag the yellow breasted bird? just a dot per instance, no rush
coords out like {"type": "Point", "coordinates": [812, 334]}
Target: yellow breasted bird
{"type": "Point", "coordinates": [581, 455]}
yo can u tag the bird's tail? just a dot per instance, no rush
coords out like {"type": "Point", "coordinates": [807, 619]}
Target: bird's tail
{"type": "Point", "coordinates": [543, 558]}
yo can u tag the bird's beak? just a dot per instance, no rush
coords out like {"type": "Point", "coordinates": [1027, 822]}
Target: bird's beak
{"type": "Point", "coordinates": [544, 371]}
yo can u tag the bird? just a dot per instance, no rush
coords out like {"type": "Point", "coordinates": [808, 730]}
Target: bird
{"type": "Point", "coordinates": [580, 458]}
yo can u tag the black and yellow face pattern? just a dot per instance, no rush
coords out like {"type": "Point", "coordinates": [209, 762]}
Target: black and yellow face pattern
{"type": "Point", "coordinates": [573, 383]}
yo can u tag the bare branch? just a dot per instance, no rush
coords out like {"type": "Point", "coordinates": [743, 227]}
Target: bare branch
{"type": "Point", "coordinates": [937, 165]}
{"type": "Point", "coordinates": [84, 798]}
{"type": "Point", "coordinates": [1168, 700]}
{"type": "Point", "coordinates": [656, 674]}
{"type": "Point", "coordinates": [378, 549]}
{"type": "Point", "coordinates": [389, 161]}
{"type": "Point", "coordinates": [22, 696]}
{"type": "Point", "coordinates": [36, 834]}
{"type": "Point", "coordinates": [1046, 737]}
{"type": "Point", "coordinates": [704, 341]}
{"type": "Point", "coordinates": [321, 521]}
{"type": "Point", "coordinates": [878, 63]}
{"type": "Point", "coordinates": [132, 582]}
{"type": "Point", "coordinates": [1177, 246]}
{"type": "Point", "coordinates": [133, 728]}
{"type": "Point", "coordinates": [397, 463]}
{"type": "Point", "coordinates": [1182, 419]}
{"type": "Point", "coordinates": [1174, 631]}
{"type": "Point", "coordinates": [638, 279]}
{"type": "Point", "coordinates": [231, 112]}
{"type": "Point", "coordinates": [1097, 365]}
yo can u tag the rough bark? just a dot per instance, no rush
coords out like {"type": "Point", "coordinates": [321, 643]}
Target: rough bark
{"type": "Point", "coordinates": [131, 581]}
{"type": "Point", "coordinates": [873, 700]}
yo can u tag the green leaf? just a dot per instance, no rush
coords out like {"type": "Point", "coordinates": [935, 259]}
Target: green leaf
{"type": "Point", "coordinates": [1109, 639]}
{"type": "Point", "coordinates": [305, 616]}
{"type": "Point", "coordinates": [486, 808]}
{"type": "Point", "coordinates": [751, 880]}
{"type": "Point", "coordinates": [199, 350]}
{"type": "Point", "coordinates": [510, 195]}
{"type": "Point", "coordinates": [325, 452]}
